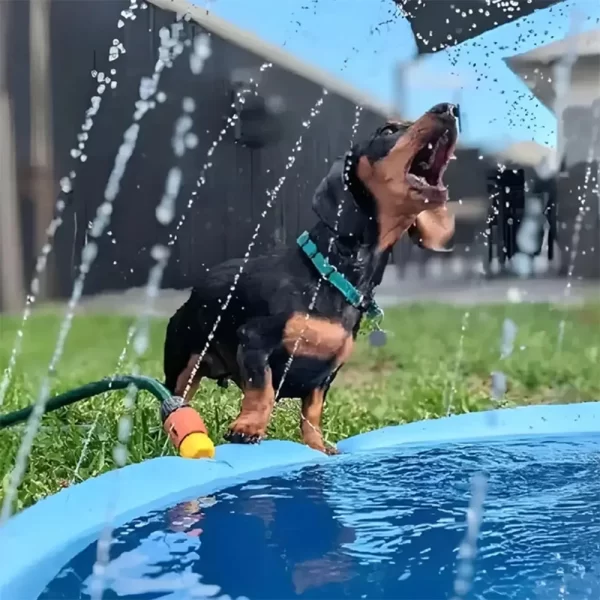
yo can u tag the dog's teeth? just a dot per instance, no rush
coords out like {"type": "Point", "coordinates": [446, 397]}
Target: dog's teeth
{"type": "Point", "coordinates": [453, 157]}
{"type": "Point", "coordinates": [430, 146]}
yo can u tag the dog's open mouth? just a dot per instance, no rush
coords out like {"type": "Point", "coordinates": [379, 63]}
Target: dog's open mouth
{"type": "Point", "coordinates": [429, 163]}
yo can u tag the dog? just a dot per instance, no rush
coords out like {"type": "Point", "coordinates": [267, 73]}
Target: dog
{"type": "Point", "coordinates": [294, 313]}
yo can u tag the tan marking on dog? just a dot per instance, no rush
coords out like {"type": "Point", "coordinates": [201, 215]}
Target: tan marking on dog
{"type": "Point", "coordinates": [184, 378]}
{"type": "Point", "coordinates": [332, 567]}
{"type": "Point", "coordinates": [310, 424]}
{"type": "Point", "coordinates": [392, 216]}
{"type": "Point", "coordinates": [397, 209]}
{"type": "Point", "coordinates": [345, 352]}
{"type": "Point", "coordinates": [257, 406]}
{"type": "Point", "coordinates": [435, 227]}
{"type": "Point", "coordinates": [316, 337]}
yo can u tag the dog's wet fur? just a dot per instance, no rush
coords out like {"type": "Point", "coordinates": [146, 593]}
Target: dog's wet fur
{"type": "Point", "coordinates": [384, 187]}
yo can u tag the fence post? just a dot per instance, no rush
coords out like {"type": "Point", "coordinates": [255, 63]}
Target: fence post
{"type": "Point", "coordinates": [42, 184]}
{"type": "Point", "coordinates": [11, 248]}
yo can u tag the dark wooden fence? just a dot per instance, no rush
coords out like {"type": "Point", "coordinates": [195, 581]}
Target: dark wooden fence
{"type": "Point", "coordinates": [229, 206]}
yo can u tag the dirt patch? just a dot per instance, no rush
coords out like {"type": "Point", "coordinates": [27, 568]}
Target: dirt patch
{"type": "Point", "coordinates": [363, 375]}
{"type": "Point", "coordinates": [590, 315]}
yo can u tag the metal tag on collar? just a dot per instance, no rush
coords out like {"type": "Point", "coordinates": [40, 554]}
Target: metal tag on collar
{"type": "Point", "coordinates": [378, 338]}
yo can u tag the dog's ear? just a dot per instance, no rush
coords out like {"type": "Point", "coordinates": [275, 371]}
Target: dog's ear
{"type": "Point", "coordinates": [383, 140]}
{"type": "Point", "coordinates": [334, 204]}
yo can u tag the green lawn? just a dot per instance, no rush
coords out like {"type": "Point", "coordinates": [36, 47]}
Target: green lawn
{"type": "Point", "coordinates": [410, 378]}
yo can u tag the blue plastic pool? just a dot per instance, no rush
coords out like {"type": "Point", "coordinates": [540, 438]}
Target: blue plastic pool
{"type": "Point", "coordinates": [387, 526]}
{"type": "Point", "coordinates": [384, 520]}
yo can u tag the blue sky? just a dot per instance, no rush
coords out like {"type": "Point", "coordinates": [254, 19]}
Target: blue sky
{"type": "Point", "coordinates": [344, 39]}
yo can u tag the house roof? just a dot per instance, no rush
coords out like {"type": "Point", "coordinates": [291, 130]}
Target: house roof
{"type": "Point", "coordinates": [272, 53]}
{"type": "Point", "coordinates": [583, 44]}
{"type": "Point", "coordinates": [525, 153]}
{"type": "Point", "coordinates": [534, 67]}
{"type": "Point", "coordinates": [439, 24]}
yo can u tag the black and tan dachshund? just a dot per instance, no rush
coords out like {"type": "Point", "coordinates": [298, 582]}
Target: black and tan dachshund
{"type": "Point", "coordinates": [307, 301]}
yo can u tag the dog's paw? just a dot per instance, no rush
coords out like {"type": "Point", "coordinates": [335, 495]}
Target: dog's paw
{"type": "Point", "coordinates": [319, 446]}
{"type": "Point", "coordinates": [235, 437]}
{"type": "Point", "coordinates": [243, 434]}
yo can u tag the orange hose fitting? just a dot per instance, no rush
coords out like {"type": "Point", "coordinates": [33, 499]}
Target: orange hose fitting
{"type": "Point", "coordinates": [188, 433]}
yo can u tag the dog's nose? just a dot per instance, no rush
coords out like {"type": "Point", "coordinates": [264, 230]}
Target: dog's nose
{"type": "Point", "coordinates": [445, 109]}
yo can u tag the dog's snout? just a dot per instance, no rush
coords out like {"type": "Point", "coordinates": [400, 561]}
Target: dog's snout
{"type": "Point", "coordinates": [445, 109]}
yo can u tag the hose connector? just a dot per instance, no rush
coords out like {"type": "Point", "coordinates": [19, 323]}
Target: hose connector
{"type": "Point", "coordinates": [186, 429]}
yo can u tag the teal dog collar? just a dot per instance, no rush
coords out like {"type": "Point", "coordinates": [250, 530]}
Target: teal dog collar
{"type": "Point", "coordinates": [329, 273]}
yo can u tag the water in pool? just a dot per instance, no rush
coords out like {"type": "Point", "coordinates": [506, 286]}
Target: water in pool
{"type": "Point", "coordinates": [385, 526]}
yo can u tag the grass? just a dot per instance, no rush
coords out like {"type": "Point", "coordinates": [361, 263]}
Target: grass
{"type": "Point", "coordinates": [410, 378]}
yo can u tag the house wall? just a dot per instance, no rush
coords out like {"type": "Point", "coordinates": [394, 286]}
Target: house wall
{"type": "Point", "coordinates": [579, 232]}
{"type": "Point", "coordinates": [578, 200]}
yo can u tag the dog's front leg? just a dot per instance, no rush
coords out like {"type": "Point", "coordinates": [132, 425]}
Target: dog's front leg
{"type": "Point", "coordinates": [310, 426]}
{"type": "Point", "coordinates": [257, 340]}
{"type": "Point", "coordinates": [188, 380]}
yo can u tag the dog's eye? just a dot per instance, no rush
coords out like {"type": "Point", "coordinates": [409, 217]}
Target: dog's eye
{"type": "Point", "coordinates": [388, 130]}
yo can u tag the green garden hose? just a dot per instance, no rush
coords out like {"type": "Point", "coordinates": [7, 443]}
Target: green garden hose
{"type": "Point", "coordinates": [182, 423]}
{"type": "Point", "coordinates": [90, 390]}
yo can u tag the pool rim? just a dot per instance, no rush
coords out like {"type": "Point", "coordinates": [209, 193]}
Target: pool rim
{"type": "Point", "coordinates": [35, 544]}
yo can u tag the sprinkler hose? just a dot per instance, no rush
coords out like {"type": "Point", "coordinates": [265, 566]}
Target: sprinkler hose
{"type": "Point", "coordinates": [181, 422]}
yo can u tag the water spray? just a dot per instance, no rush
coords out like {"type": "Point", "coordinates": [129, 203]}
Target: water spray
{"type": "Point", "coordinates": [170, 48]}
{"type": "Point", "coordinates": [357, 114]}
{"type": "Point", "coordinates": [272, 195]}
{"type": "Point", "coordinates": [105, 81]}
